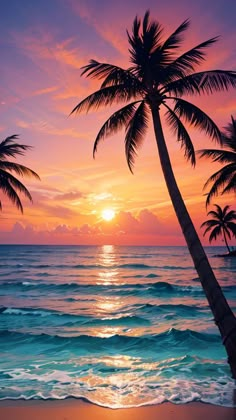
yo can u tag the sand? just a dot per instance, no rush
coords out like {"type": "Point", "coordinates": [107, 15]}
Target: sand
{"type": "Point", "coordinates": [72, 409]}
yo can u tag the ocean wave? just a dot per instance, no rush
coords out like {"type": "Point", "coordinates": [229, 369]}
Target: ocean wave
{"type": "Point", "coordinates": [74, 319]}
{"type": "Point", "coordinates": [161, 288]}
{"type": "Point", "coordinates": [182, 310]}
{"type": "Point", "coordinates": [134, 266]}
{"type": "Point", "coordinates": [171, 337]}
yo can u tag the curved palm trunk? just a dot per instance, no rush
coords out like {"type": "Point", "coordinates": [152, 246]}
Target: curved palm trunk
{"type": "Point", "coordinates": [226, 242]}
{"type": "Point", "coordinates": [223, 315]}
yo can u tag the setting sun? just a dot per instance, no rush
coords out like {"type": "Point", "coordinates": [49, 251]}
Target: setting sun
{"type": "Point", "coordinates": [108, 214]}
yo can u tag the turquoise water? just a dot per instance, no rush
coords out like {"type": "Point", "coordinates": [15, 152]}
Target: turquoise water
{"type": "Point", "coordinates": [119, 326]}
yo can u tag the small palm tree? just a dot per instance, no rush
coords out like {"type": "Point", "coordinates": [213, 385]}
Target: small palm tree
{"type": "Point", "coordinates": [222, 224]}
{"type": "Point", "coordinates": [159, 78]}
{"type": "Point", "coordinates": [9, 184]}
{"type": "Point", "coordinates": [225, 178]}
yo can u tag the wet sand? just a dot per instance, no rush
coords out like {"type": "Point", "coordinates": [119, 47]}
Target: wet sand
{"type": "Point", "coordinates": [72, 409]}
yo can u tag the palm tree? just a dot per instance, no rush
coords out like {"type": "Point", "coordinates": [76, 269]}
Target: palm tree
{"type": "Point", "coordinates": [9, 184]}
{"type": "Point", "coordinates": [156, 77]}
{"type": "Point", "coordinates": [225, 178]}
{"type": "Point", "coordinates": [222, 224]}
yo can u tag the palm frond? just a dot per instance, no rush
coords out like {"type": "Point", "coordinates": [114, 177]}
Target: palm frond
{"type": "Point", "coordinates": [97, 70]}
{"type": "Point", "coordinates": [217, 214]}
{"type": "Point", "coordinates": [145, 41]}
{"type": "Point", "coordinates": [210, 223]}
{"type": "Point", "coordinates": [221, 179]}
{"type": "Point", "coordinates": [222, 156]}
{"type": "Point", "coordinates": [15, 183]}
{"type": "Point", "coordinates": [17, 168]}
{"type": "Point", "coordinates": [151, 34]}
{"type": "Point", "coordinates": [182, 135]}
{"type": "Point", "coordinates": [232, 227]}
{"type": "Point", "coordinates": [229, 216]}
{"type": "Point", "coordinates": [206, 82]}
{"type": "Point", "coordinates": [112, 75]}
{"type": "Point", "coordinates": [215, 233]}
{"type": "Point", "coordinates": [10, 148]}
{"type": "Point", "coordinates": [106, 96]}
{"type": "Point", "coordinates": [115, 123]}
{"type": "Point", "coordinates": [175, 39]}
{"type": "Point", "coordinates": [125, 77]}
{"type": "Point", "coordinates": [231, 184]}
{"type": "Point", "coordinates": [224, 211]}
{"type": "Point", "coordinates": [136, 130]}
{"type": "Point", "coordinates": [10, 192]}
{"type": "Point", "coordinates": [185, 63]}
{"type": "Point", "coordinates": [229, 136]}
{"type": "Point", "coordinates": [196, 117]}
{"type": "Point", "coordinates": [230, 129]}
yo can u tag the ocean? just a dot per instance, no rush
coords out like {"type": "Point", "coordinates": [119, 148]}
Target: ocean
{"type": "Point", "coordinates": [118, 326]}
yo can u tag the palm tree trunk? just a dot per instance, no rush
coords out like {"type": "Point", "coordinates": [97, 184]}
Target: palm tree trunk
{"type": "Point", "coordinates": [223, 315]}
{"type": "Point", "coordinates": [226, 242]}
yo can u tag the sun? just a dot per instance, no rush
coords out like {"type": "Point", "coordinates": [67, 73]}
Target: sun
{"type": "Point", "coordinates": [108, 214]}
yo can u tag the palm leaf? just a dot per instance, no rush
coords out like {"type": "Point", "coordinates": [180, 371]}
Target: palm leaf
{"type": "Point", "coordinates": [187, 61]}
{"type": "Point", "coordinates": [19, 169]}
{"type": "Point", "coordinates": [196, 117]}
{"type": "Point", "coordinates": [9, 148]}
{"type": "Point", "coordinates": [231, 215]}
{"type": "Point", "coordinates": [220, 179]}
{"type": "Point", "coordinates": [231, 184]}
{"type": "Point", "coordinates": [136, 130]}
{"type": "Point", "coordinates": [182, 135]}
{"type": "Point", "coordinates": [232, 227]}
{"type": "Point", "coordinates": [215, 233]}
{"type": "Point", "coordinates": [98, 70]}
{"type": "Point", "coordinates": [115, 123]}
{"type": "Point", "coordinates": [205, 82]}
{"type": "Point", "coordinates": [222, 156]}
{"type": "Point", "coordinates": [224, 211]}
{"type": "Point", "coordinates": [230, 129]}
{"type": "Point", "coordinates": [175, 38]}
{"type": "Point", "coordinates": [15, 183]}
{"type": "Point", "coordinates": [146, 40]}
{"type": "Point", "coordinates": [10, 192]}
{"type": "Point", "coordinates": [112, 75]}
{"type": "Point", "coordinates": [106, 96]}
{"type": "Point", "coordinates": [210, 223]}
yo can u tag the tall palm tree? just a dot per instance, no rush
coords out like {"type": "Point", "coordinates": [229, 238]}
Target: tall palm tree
{"type": "Point", "coordinates": [222, 224]}
{"type": "Point", "coordinates": [225, 178]}
{"type": "Point", "coordinates": [9, 184]}
{"type": "Point", "coordinates": [156, 77]}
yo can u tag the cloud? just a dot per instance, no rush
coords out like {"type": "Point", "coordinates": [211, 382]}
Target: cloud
{"type": "Point", "coordinates": [45, 91]}
{"type": "Point", "coordinates": [126, 228]}
{"type": "Point", "coordinates": [69, 196]}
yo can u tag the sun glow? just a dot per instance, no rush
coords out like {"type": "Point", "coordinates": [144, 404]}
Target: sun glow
{"type": "Point", "coordinates": [108, 214]}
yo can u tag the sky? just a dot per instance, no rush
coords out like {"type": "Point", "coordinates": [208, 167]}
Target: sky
{"type": "Point", "coordinates": [43, 45]}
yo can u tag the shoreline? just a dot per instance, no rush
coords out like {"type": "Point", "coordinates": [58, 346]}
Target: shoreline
{"type": "Point", "coordinates": [73, 409]}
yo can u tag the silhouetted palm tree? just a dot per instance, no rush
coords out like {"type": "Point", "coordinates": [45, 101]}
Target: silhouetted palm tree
{"type": "Point", "coordinates": [225, 178]}
{"type": "Point", "coordinates": [9, 184]}
{"type": "Point", "coordinates": [158, 76]}
{"type": "Point", "coordinates": [222, 224]}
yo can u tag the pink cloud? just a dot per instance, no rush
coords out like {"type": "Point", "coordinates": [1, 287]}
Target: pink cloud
{"type": "Point", "coordinates": [124, 229]}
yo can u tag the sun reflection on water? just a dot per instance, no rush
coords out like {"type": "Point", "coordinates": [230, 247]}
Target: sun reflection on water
{"type": "Point", "coordinates": [106, 306]}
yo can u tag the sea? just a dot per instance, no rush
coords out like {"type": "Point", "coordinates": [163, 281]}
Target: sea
{"type": "Point", "coordinates": [118, 326]}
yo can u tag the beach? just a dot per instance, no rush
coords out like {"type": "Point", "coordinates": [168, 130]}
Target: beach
{"type": "Point", "coordinates": [78, 410]}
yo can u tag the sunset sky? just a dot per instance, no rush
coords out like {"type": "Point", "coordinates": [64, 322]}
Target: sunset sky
{"type": "Point", "coordinates": [43, 45]}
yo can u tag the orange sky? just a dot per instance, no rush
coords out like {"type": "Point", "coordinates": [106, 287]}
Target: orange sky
{"type": "Point", "coordinates": [43, 45]}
